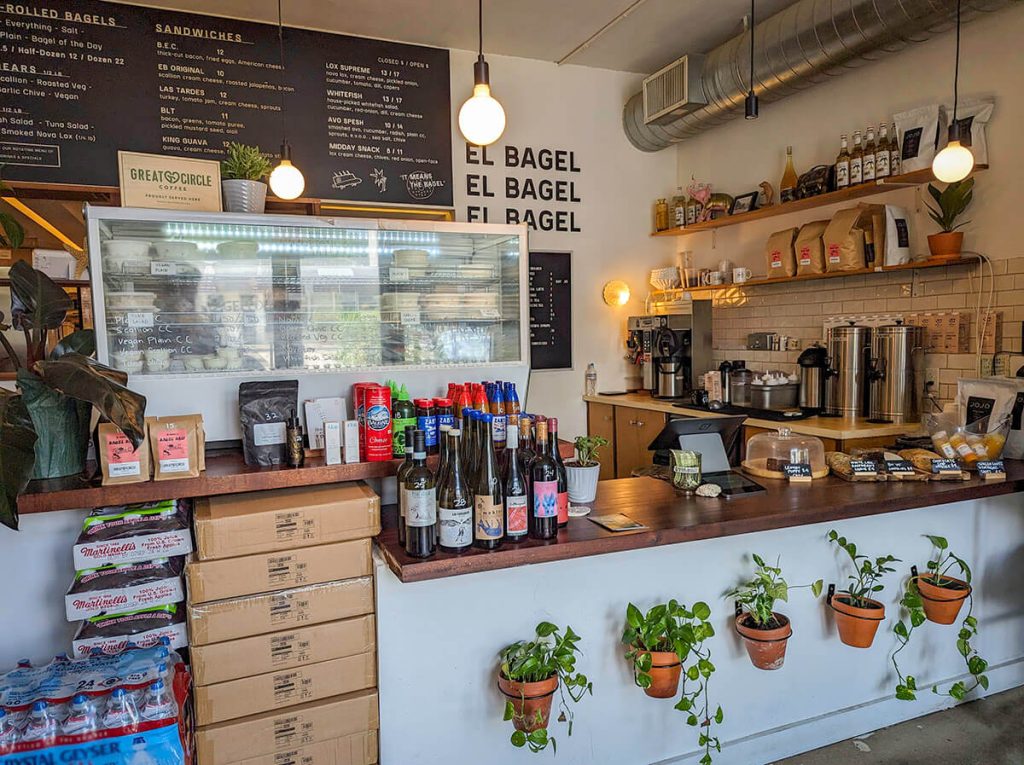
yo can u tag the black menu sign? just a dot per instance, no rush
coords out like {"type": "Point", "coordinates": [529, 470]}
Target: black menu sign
{"type": "Point", "coordinates": [550, 310]}
{"type": "Point", "coordinates": [80, 79]}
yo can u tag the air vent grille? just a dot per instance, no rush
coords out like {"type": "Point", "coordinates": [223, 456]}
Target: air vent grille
{"type": "Point", "coordinates": [674, 90]}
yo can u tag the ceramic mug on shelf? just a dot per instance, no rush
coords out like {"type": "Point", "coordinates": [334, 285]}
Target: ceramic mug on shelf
{"type": "Point", "coordinates": [740, 275]}
{"type": "Point", "coordinates": [714, 278]}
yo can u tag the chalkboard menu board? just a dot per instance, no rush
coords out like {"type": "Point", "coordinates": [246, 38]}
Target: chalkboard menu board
{"type": "Point", "coordinates": [80, 79]}
{"type": "Point", "coordinates": [550, 310]}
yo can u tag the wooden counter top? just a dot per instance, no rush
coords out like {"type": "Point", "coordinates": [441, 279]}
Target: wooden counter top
{"type": "Point", "coordinates": [823, 427]}
{"type": "Point", "coordinates": [673, 517]}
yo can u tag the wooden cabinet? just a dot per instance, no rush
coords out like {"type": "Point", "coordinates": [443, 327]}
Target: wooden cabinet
{"type": "Point", "coordinates": [634, 431]}
{"type": "Point", "coordinates": [601, 422]}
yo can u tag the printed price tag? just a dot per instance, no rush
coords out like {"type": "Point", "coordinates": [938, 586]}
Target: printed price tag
{"type": "Point", "coordinates": [163, 268]}
{"type": "Point", "coordinates": [797, 471]}
{"type": "Point", "coordinates": [409, 317]}
{"type": "Point", "coordinates": [945, 466]}
{"type": "Point", "coordinates": [991, 469]}
{"type": "Point", "coordinates": [899, 467]}
{"type": "Point", "coordinates": [490, 313]}
{"type": "Point", "coordinates": [398, 274]}
{"type": "Point", "coordinates": [140, 320]}
{"type": "Point", "coordinates": [863, 467]}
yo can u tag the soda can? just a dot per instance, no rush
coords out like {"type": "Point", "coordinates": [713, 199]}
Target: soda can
{"type": "Point", "coordinates": [359, 407]}
{"type": "Point", "coordinates": [377, 405]}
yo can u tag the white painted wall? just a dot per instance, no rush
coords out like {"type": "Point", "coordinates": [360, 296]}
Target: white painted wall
{"type": "Point", "coordinates": [439, 641]}
{"type": "Point", "coordinates": [577, 108]}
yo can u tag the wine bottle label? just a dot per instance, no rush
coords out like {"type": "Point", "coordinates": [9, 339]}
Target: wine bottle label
{"type": "Point", "coordinates": [456, 526]}
{"type": "Point", "coordinates": [490, 518]}
{"type": "Point", "coordinates": [894, 162]}
{"type": "Point", "coordinates": [868, 168]}
{"type": "Point", "coordinates": [420, 507]}
{"type": "Point", "coordinates": [403, 501]}
{"type": "Point", "coordinates": [516, 509]}
{"type": "Point", "coordinates": [882, 164]}
{"type": "Point", "coordinates": [563, 506]}
{"type": "Point", "coordinates": [855, 170]}
{"type": "Point", "coordinates": [499, 427]}
{"type": "Point", "coordinates": [842, 174]}
{"type": "Point", "coordinates": [545, 499]}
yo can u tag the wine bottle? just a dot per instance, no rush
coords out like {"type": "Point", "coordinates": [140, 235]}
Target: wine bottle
{"type": "Point", "coordinates": [488, 503]}
{"type": "Point", "coordinates": [500, 423]}
{"type": "Point", "coordinates": [421, 502]}
{"type": "Point", "coordinates": [517, 511]}
{"type": "Point", "coordinates": [787, 186]}
{"type": "Point", "coordinates": [454, 502]}
{"type": "Point", "coordinates": [443, 465]}
{"type": "Point", "coordinates": [868, 163]}
{"type": "Point", "coordinates": [895, 156]}
{"type": "Point", "coordinates": [843, 164]}
{"type": "Point", "coordinates": [404, 468]}
{"type": "Point", "coordinates": [543, 489]}
{"type": "Point", "coordinates": [467, 438]}
{"type": "Point", "coordinates": [856, 161]}
{"type": "Point", "coordinates": [882, 152]}
{"type": "Point", "coordinates": [563, 476]}
{"type": "Point", "coordinates": [526, 452]}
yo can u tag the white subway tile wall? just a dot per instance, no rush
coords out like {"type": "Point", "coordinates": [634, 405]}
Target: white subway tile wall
{"type": "Point", "coordinates": [799, 310]}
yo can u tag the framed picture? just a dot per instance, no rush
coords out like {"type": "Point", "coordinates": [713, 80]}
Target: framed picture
{"type": "Point", "coordinates": [744, 203]}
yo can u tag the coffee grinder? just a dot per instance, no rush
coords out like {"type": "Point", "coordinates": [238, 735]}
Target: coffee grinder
{"type": "Point", "coordinates": [669, 347]}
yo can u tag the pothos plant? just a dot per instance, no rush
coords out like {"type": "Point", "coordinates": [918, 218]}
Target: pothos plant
{"type": "Point", "coordinates": [866, 576]}
{"type": "Point", "coordinates": [942, 562]}
{"type": "Point", "coordinates": [757, 596]}
{"type": "Point", "coordinates": [675, 628]}
{"type": "Point", "coordinates": [530, 661]}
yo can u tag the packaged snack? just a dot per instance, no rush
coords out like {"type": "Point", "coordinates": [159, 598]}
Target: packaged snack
{"type": "Point", "coordinates": [994, 405]}
{"type": "Point", "coordinates": [120, 461]}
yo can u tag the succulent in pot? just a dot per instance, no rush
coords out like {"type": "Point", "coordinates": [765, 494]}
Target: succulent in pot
{"type": "Point", "coordinates": [666, 645]}
{"type": "Point", "coordinates": [938, 597]}
{"type": "Point", "coordinates": [242, 173]}
{"type": "Point", "coordinates": [857, 614]}
{"type": "Point", "coordinates": [44, 426]}
{"type": "Point", "coordinates": [764, 630]}
{"type": "Point", "coordinates": [531, 672]}
{"type": "Point", "coordinates": [951, 202]}
{"type": "Point", "coordinates": [583, 472]}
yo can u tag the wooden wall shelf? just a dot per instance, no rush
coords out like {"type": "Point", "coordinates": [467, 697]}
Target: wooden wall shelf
{"type": "Point", "coordinates": [860, 191]}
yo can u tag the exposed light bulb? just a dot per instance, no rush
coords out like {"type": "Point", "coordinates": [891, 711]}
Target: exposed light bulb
{"type": "Point", "coordinates": [954, 163]}
{"type": "Point", "coordinates": [482, 118]}
{"type": "Point", "coordinates": [615, 293]}
{"type": "Point", "coordinates": [286, 180]}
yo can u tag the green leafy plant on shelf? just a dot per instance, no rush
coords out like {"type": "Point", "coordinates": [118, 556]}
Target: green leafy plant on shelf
{"type": "Point", "coordinates": [587, 450]}
{"type": "Point", "coordinates": [757, 596]}
{"type": "Point", "coordinates": [867, 573]}
{"type": "Point", "coordinates": [12, 235]}
{"type": "Point", "coordinates": [938, 576]}
{"type": "Point", "coordinates": [672, 628]}
{"type": "Point", "coordinates": [950, 203]}
{"type": "Point", "coordinates": [244, 163]}
{"type": "Point", "coordinates": [44, 426]}
{"type": "Point", "coordinates": [531, 671]}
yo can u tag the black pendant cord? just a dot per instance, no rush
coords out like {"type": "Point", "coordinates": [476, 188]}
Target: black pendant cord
{"type": "Point", "coordinates": [751, 46]}
{"type": "Point", "coordinates": [956, 65]}
{"type": "Point", "coordinates": [480, 31]}
{"type": "Point", "coordinates": [281, 85]}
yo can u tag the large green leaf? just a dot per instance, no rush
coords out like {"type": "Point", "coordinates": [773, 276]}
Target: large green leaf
{"type": "Point", "coordinates": [82, 378]}
{"type": "Point", "coordinates": [11, 232]}
{"type": "Point", "coordinates": [36, 301]}
{"type": "Point", "coordinates": [83, 341]}
{"type": "Point", "coordinates": [17, 454]}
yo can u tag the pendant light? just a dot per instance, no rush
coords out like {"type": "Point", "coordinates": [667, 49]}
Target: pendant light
{"type": "Point", "coordinates": [955, 162]}
{"type": "Point", "coordinates": [286, 180]}
{"type": "Point", "coordinates": [750, 103]}
{"type": "Point", "coordinates": [481, 118]}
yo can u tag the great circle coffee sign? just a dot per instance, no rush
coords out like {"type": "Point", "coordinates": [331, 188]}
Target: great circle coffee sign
{"type": "Point", "coordinates": [161, 182]}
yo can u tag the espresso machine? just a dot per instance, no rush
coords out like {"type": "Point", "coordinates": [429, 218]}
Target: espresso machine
{"type": "Point", "coordinates": [668, 348]}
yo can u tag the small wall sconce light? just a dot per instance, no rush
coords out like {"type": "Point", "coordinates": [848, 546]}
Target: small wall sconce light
{"type": "Point", "coordinates": [615, 293]}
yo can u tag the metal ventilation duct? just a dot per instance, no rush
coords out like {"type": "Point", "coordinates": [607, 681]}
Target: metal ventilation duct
{"type": "Point", "coordinates": [799, 47]}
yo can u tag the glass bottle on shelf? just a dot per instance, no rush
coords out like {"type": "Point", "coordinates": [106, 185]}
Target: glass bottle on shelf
{"type": "Point", "coordinates": [882, 152]}
{"type": "Point", "coordinates": [856, 161]}
{"type": "Point", "coordinates": [868, 163]}
{"type": "Point", "coordinates": [661, 215]}
{"type": "Point", "coordinates": [590, 380]}
{"type": "Point", "coordinates": [488, 503]}
{"type": "Point", "coordinates": [543, 489]}
{"type": "Point", "coordinates": [514, 488]}
{"type": "Point", "coordinates": [526, 453]}
{"type": "Point", "coordinates": [498, 412]}
{"type": "Point", "coordinates": [403, 470]}
{"type": "Point", "coordinates": [787, 186]}
{"type": "Point", "coordinates": [421, 502]}
{"type": "Point", "coordinates": [679, 208]}
{"type": "Point", "coordinates": [895, 158]}
{"type": "Point", "coordinates": [454, 502]}
{"type": "Point", "coordinates": [843, 164]}
{"type": "Point", "coordinates": [563, 476]}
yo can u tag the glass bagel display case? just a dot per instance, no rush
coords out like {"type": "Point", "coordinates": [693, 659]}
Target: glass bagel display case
{"type": "Point", "coordinates": [192, 304]}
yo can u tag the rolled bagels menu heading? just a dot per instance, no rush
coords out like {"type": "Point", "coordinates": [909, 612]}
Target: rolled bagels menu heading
{"type": "Point", "coordinates": [81, 79]}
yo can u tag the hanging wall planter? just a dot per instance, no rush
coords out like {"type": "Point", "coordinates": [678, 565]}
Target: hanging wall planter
{"type": "Point", "coordinates": [766, 645]}
{"type": "Point", "coordinates": [942, 602]}
{"type": "Point", "coordinates": [531, 702]}
{"type": "Point", "coordinates": [858, 615]}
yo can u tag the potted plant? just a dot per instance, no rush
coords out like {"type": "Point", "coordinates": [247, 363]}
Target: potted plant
{"type": "Point", "coordinates": [857, 614]}
{"type": "Point", "coordinates": [583, 472]}
{"type": "Point", "coordinates": [763, 629]}
{"type": "Point", "coordinates": [530, 673]}
{"type": "Point", "coordinates": [242, 174]}
{"type": "Point", "coordinates": [938, 597]}
{"type": "Point", "coordinates": [44, 426]}
{"type": "Point", "coordinates": [11, 232]}
{"type": "Point", "coordinates": [952, 202]}
{"type": "Point", "coordinates": [661, 645]}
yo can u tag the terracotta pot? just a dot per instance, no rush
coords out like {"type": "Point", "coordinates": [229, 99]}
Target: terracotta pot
{"type": "Point", "coordinates": [942, 604]}
{"type": "Point", "coordinates": [857, 626]}
{"type": "Point", "coordinates": [946, 246]}
{"type": "Point", "coordinates": [665, 671]}
{"type": "Point", "coordinates": [531, 701]}
{"type": "Point", "coordinates": [766, 648]}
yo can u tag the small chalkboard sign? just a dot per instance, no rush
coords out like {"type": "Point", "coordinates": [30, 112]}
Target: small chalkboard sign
{"type": "Point", "coordinates": [550, 310]}
{"type": "Point", "coordinates": [945, 467]}
{"type": "Point", "coordinates": [864, 467]}
{"type": "Point", "coordinates": [797, 472]}
{"type": "Point", "coordinates": [992, 470]}
{"type": "Point", "coordinates": [899, 467]}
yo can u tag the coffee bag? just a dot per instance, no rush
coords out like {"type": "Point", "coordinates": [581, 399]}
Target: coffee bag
{"type": "Point", "coordinates": [973, 118]}
{"type": "Point", "coordinates": [919, 131]}
{"type": "Point", "coordinates": [120, 461]}
{"type": "Point", "coordinates": [264, 408]}
{"type": "Point", "coordinates": [844, 241]}
{"type": "Point", "coordinates": [810, 249]}
{"type": "Point", "coordinates": [176, 443]}
{"type": "Point", "coordinates": [779, 255]}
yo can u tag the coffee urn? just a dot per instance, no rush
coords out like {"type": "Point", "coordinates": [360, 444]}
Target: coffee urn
{"type": "Point", "coordinates": [896, 373]}
{"type": "Point", "coordinates": [813, 369]}
{"type": "Point", "coordinates": [846, 381]}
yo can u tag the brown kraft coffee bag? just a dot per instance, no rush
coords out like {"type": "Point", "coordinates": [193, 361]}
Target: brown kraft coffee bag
{"type": "Point", "coordinates": [844, 241]}
{"type": "Point", "coordinates": [778, 252]}
{"type": "Point", "coordinates": [810, 250]}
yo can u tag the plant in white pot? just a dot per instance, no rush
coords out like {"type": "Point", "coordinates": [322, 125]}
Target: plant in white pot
{"type": "Point", "coordinates": [583, 472]}
{"type": "Point", "coordinates": [242, 174]}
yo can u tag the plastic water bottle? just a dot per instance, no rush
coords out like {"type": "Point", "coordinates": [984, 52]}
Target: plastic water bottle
{"type": "Point", "coordinates": [139, 754]}
{"type": "Point", "coordinates": [590, 380]}
{"type": "Point", "coordinates": [8, 731]}
{"type": "Point", "coordinates": [81, 716]}
{"type": "Point", "coordinates": [121, 710]}
{"type": "Point", "coordinates": [42, 726]}
{"type": "Point", "coordinates": [159, 704]}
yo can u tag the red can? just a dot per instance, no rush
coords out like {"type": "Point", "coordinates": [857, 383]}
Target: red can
{"type": "Point", "coordinates": [377, 407]}
{"type": "Point", "coordinates": [359, 408]}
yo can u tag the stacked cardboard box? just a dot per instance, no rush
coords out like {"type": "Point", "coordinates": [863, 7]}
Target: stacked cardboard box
{"type": "Point", "coordinates": [282, 628]}
{"type": "Point", "coordinates": [944, 331]}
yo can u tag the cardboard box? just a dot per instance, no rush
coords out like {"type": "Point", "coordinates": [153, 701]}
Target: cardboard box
{"type": "Point", "coordinates": [282, 650]}
{"type": "Point", "coordinates": [284, 688]}
{"type": "Point", "coordinates": [357, 749]}
{"type": "Point", "coordinates": [282, 519]}
{"type": "Point", "coordinates": [320, 411]}
{"type": "Point", "coordinates": [991, 331]}
{"type": "Point", "coordinates": [287, 729]}
{"type": "Point", "coordinates": [268, 572]}
{"type": "Point", "coordinates": [222, 620]}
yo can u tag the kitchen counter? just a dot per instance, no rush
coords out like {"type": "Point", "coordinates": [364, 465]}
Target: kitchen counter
{"type": "Point", "coordinates": [836, 428]}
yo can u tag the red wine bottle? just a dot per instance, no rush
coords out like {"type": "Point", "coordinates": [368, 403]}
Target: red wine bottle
{"type": "Point", "coordinates": [489, 504]}
{"type": "Point", "coordinates": [563, 476]}
{"type": "Point", "coordinates": [517, 510]}
{"type": "Point", "coordinates": [543, 489]}
{"type": "Point", "coordinates": [421, 502]}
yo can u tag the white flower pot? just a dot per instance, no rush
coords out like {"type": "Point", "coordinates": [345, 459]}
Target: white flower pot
{"type": "Point", "coordinates": [582, 482]}
{"type": "Point", "coordinates": [244, 196]}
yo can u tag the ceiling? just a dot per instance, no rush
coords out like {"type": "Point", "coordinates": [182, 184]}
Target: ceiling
{"type": "Point", "coordinates": [650, 35]}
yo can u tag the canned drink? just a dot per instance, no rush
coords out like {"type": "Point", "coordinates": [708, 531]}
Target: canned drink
{"type": "Point", "coordinates": [377, 405]}
{"type": "Point", "coordinates": [359, 407]}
